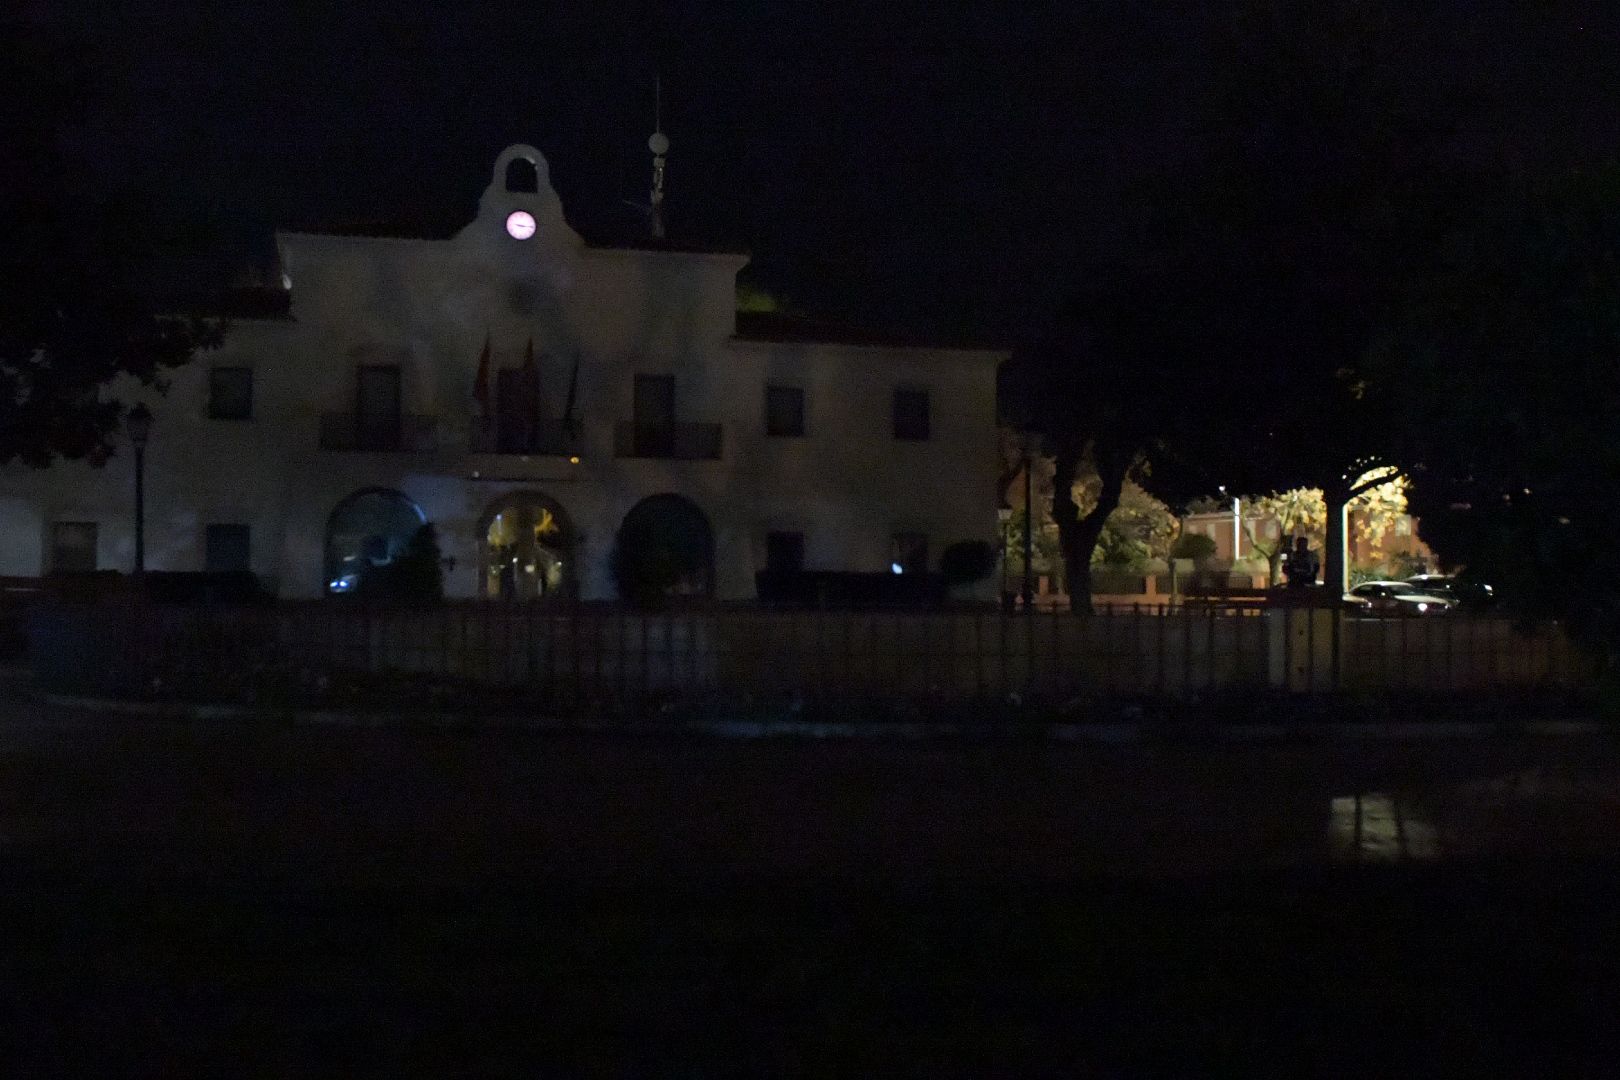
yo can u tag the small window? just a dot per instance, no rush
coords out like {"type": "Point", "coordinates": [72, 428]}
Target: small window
{"type": "Point", "coordinates": [230, 393]}
{"type": "Point", "coordinates": [909, 553]}
{"type": "Point", "coordinates": [522, 176]}
{"type": "Point", "coordinates": [911, 414]}
{"type": "Point", "coordinates": [1403, 526]}
{"type": "Point", "coordinates": [73, 546]}
{"type": "Point", "coordinates": [226, 547]}
{"type": "Point", "coordinates": [784, 410]}
{"type": "Point", "coordinates": [784, 552]}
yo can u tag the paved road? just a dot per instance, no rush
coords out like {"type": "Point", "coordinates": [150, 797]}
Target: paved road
{"type": "Point", "coordinates": [587, 806]}
{"type": "Point", "coordinates": [267, 900]}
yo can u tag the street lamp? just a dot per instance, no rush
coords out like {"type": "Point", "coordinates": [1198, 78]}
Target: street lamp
{"type": "Point", "coordinates": [139, 425]}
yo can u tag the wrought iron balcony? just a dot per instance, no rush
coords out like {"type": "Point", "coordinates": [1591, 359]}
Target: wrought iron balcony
{"type": "Point", "coordinates": [494, 435]}
{"type": "Point", "coordinates": [683, 442]}
{"type": "Point", "coordinates": [405, 433]}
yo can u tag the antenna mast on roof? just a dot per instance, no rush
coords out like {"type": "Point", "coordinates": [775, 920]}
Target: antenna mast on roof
{"type": "Point", "coordinates": [658, 143]}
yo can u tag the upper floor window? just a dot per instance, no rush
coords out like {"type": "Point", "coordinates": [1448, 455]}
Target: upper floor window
{"type": "Point", "coordinates": [784, 410]}
{"type": "Point", "coordinates": [910, 414]}
{"type": "Point", "coordinates": [230, 393]}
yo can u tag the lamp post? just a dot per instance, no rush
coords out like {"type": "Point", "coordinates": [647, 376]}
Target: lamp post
{"type": "Point", "coordinates": [1004, 516]}
{"type": "Point", "coordinates": [139, 425]}
{"type": "Point", "coordinates": [1029, 522]}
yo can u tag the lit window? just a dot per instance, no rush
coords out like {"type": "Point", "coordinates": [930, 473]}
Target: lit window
{"type": "Point", "coordinates": [1403, 526]}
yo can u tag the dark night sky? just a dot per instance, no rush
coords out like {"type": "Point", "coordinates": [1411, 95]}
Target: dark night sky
{"type": "Point", "coordinates": [924, 165]}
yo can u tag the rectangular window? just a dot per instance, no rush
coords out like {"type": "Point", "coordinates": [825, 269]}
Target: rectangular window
{"type": "Point", "coordinates": [911, 414]}
{"type": "Point", "coordinates": [230, 393]}
{"type": "Point", "coordinates": [784, 410]}
{"type": "Point", "coordinates": [73, 546]}
{"type": "Point", "coordinates": [1403, 526]}
{"type": "Point", "coordinates": [654, 413]}
{"type": "Point", "coordinates": [909, 553]}
{"type": "Point", "coordinates": [226, 547]}
{"type": "Point", "coordinates": [784, 552]}
{"type": "Point", "coordinates": [377, 407]}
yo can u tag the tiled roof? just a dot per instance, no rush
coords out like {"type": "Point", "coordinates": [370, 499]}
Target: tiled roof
{"type": "Point", "coordinates": [443, 228]}
{"type": "Point", "coordinates": [254, 302]}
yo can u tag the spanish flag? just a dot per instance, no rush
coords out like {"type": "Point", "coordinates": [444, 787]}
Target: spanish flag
{"type": "Point", "coordinates": [481, 383]}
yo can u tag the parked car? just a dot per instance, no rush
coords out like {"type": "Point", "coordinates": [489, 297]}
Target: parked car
{"type": "Point", "coordinates": [1399, 598]}
{"type": "Point", "coordinates": [1469, 594]}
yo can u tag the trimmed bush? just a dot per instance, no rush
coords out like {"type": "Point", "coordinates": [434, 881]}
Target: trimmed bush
{"type": "Point", "coordinates": [1194, 546]}
{"type": "Point", "coordinates": [967, 561]}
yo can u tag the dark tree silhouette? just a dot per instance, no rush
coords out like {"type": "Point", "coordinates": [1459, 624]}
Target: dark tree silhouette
{"type": "Point", "coordinates": [75, 313]}
{"type": "Point", "coordinates": [1118, 378]}
{"type": "Point", "coordinates": [1507, 355]}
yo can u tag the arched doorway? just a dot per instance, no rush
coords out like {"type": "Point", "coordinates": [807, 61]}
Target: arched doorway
{"type": "Point", "coordinates": [367, 530]}
{"type": "Point", "coordinates": [664, 547]}
{"type": "Point", "coordinates": [525, 548]}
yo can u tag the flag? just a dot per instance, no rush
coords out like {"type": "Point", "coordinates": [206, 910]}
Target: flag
{"type": "Point", "coordinates": [481, 383]}
{"type": "Point", "coordinates": [568, 410]}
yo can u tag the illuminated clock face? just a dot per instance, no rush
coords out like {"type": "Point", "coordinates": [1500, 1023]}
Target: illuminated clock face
{"type": "Point", "coordinates": [520, 225]}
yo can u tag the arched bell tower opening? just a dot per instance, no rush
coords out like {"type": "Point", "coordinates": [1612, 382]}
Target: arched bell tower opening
{"type": "Point", "coordinates": [522, 176]}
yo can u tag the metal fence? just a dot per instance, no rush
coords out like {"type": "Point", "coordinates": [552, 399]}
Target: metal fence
{"type": "Point", "coordinates": [580, 655]}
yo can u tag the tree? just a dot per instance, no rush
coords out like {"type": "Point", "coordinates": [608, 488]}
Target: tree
{"type": "Point", "coordinates": [75, 313]}
{"type": "Point", "coordinates": [1303, 512]}
{"type": "Point", "coordinates": [1297, 512]}
{"type": "Point", "coordinates": [1321, 190]}
{"type": "Point", "coordinates": [1507, 353]}
{"type": "Point", "coordinates": [1116, 380]}
{"type": "Point", "coordinates": [418, 572]}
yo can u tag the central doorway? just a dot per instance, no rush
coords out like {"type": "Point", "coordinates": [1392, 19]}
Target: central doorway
{"type": "Point", "coordinates": [525, 548]}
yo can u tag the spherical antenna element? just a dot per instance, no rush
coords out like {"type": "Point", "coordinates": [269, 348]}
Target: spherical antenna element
{"type": "Point", "coordinates": [658, 143]}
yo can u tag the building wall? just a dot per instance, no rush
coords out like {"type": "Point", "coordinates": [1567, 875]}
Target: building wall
{"type": "Point", "coordinates": [429, 306]}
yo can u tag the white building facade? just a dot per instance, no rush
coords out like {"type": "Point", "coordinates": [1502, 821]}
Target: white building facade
{"type": "Point", "coordinates": [524, 392]}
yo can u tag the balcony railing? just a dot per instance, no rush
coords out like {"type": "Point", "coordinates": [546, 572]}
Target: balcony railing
{"type": "Point", "coordinates": [535, 437]}
{"type": "Point", "coordinates": [406, 433]}
{"type": "Point", "coordinates": [683, 442]}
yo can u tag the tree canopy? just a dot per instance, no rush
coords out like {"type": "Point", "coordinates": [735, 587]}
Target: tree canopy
{"type": "Point", "coordinates": [1507, 360]}
{"type": "Point", "coordinates": [76, 314]}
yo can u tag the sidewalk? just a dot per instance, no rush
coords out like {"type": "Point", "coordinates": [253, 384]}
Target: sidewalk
{"type": "Point", "coordinates": [1128, 724]}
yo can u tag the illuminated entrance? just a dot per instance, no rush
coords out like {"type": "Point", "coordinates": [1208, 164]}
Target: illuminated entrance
{"type": "Point", "coordinates": [525, 548]}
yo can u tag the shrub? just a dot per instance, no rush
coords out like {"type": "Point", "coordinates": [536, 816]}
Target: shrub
{"type": "Point", "coordinates": [1194, 546]}
{"type": "Point", "coordinates": [967, 561]}
{"type": "Point", "coordinates": [414, 574]}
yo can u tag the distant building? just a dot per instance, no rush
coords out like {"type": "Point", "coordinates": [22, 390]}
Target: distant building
{"type": "Point", "coordinates": [527, 392]}
{"type": "Point", "coordinates": [1401, 540]}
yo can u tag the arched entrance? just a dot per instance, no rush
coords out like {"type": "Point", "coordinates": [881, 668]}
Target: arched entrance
{"type": "Point", "coordinates": [367, 530]}
{"type": "Point", "coordinates": [664, 548]}
{"type": "Point", "coordinates": [525, 548]}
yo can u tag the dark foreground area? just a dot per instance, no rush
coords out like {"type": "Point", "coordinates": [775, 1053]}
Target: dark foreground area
{"type": "Point", "coordinates": [188, 899]}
